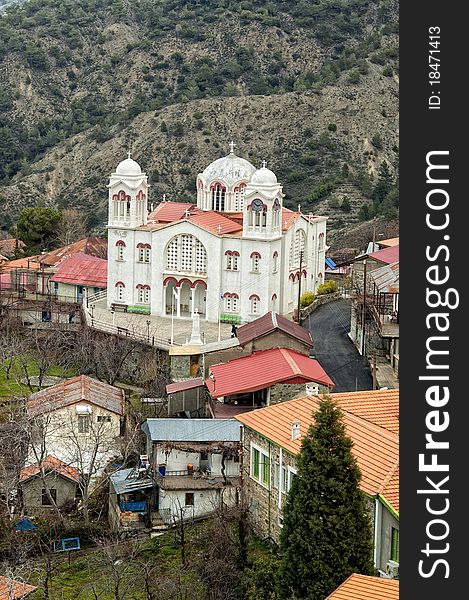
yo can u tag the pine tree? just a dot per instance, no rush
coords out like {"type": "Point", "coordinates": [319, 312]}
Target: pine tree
{"type": "Point", "coordinates": [326, 533]}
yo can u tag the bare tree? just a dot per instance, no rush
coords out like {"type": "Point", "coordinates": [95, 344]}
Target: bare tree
{"type": "Point", "coordinates": [72, 226]}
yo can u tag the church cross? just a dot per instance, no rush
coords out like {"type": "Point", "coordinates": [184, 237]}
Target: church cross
{"type": "Point", "coordinates": [187, 213]}
{"type": "Point", "coordinates": [232, 145]}
{"type": "Point", "coordinates": [219, 228]}
{"type": "Point", "coordinates": [128, 154]}
{"type": "Point", "coordinates": [299, 208]}
{"type": "Point", "coordinates": [164, 197]}
{"type": "Point", "coordinates": [263, 164]}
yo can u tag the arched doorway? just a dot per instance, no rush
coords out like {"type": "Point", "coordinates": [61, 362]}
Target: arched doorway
{"type": "Point", "coordinates": [199, 294]}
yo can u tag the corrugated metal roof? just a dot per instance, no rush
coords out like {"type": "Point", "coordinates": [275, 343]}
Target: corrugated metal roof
{"type": "Point", "coordinates": [365, 587]}
{"type": "Point", "coordinates": [181, 386]}
{"type": "Point", "coordinates": [375, 448]}
{"type": "Point", "coordinates": [269, 322]}
{"type": "Point", "coordinates": [386, 255]}
{"type": "Point", "coordinates": [92, 246]}
{"type": "Point", "coordinates": [74, 390]}
{"type": "Point", "coordinates": [81, 269]}
{"type": "Point", "coordinates": [122, 483]}
{"type": "Point", "coordinates": [50, 463]}
{"type": "Point", "coordinates": [262, 369]}
{"type": "Point", "coordinates": [386, 278]}
{"type": "Point", "coordinates": [11, 589]}
{"type": "Point", "coordinates": [192, 430]}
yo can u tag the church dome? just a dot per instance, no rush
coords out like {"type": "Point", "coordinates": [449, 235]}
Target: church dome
{"type": "Point", "coordinates": [229, 170]}
{"type": "Point", "coordinates": [128, 167]}
{"type": "Point", "coordinates": [264, 176]}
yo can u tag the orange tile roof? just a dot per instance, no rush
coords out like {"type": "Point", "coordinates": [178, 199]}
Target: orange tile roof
{"type": "Point", "coordinates": [288, 218]}
{"type": "Point", "coordinates": [93, 246]}
{"type": "Point", "coordinates": [11, 589]}
{"type": "Point", "coordinates": [167, 212]}
{"type": "Point", "coordinates": [375, 449]}
{"type": "Point", "coordinates": [77, 389]}
{"type": "Point", "coordinates": [381, 407]}
{"type": "Point", "coordinates": [389, 242]}
{"type": "Point", "coordinates": [365, 587]}
{"type": "Point", "coordinates": [50, 463]}
{"type": "Point", "coordinates": [31, 263]}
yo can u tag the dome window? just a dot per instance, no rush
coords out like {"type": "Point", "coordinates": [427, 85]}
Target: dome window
{"type": "Point", "coordinates": [218, 196]}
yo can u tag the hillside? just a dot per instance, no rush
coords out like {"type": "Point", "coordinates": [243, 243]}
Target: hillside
{"type": "Point", "coordinates": [309, 86]}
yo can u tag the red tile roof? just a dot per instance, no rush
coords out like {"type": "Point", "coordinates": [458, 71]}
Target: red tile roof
{"type": "Point", "coordinates": [365, 587]}
{"type": "Point", "coordinates": [92, 246]}
{"type": "Point", "coordinates": [182, 386]}
{"type": "Point", "coordinates": [81, 269]}
{"type": "Point", "coordinates": [262, 369]}
{"type": "Point", "coordinates": [386, 255]}
{"type": "Point", "coordinates": [381, 407]}
{"type": "Point", "coordinates": [77, 389]}
{"type": "Point", "coordinates": [269, 322]}
{"type": "Point", "coordinates": [11, 589]}
{"type": "Point", "coordinates": [288, 218]}
{"type": "Point", "coordinates": [213, 220]}
{"type": "Point", "coordinates": [389, 242]}
{"type": "Point", "coordinates": [375, 448]}
{"type": "Point", "coordinates": [167, 212]}
{"type": "Point", "coordinates": [50, 463]}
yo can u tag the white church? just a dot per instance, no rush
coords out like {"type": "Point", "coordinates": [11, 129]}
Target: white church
{"type": "Point", "coordinates": [234, 255]}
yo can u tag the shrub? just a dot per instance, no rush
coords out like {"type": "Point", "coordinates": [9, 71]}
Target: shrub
{"type": "Point", "coordinates": [306, 299]}
{"type": "Point", "coordinates": [332, 127]}
{"type": "Point", "coordinates": [328, 287]}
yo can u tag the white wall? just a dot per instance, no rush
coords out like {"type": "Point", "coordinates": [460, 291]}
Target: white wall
{"type": "Point", "coordinates": [205, 501]}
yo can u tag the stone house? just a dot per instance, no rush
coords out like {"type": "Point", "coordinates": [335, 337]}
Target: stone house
{"type": "Point", "coordinates": [51, 475]}
{"type": "Point", "coordinates": [272, 440]}
{"type": "Point", "coordinates": [79, 421]}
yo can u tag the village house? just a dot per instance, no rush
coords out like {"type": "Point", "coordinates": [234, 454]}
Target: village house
{"type": "Point", "coordinates": [79, 276]}
{"type": "Point", "coordinates": [79, 422]}
{"type": "Point", "coordinates": [359, 587]}
{"type": "Point", "coordinates": [49, 479]}
{"type": "Point", "coordinates": [191, 468]}
{"type": "Point", "coordinates": [261, 379]}
{"type": "Point", "coordinates": [272, 440]}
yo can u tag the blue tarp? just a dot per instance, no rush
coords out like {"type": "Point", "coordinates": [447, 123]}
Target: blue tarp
{"type": "Point", "coordinates": [25, 525]}
{"type": "Point", "coordinates": [330, 263]}
{"type": "Point", "coordinates": [133, 506]}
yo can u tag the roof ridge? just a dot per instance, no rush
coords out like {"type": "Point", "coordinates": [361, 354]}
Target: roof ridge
{"type": "Point", "coordinates": [390, 475]}
{"type": "Point", "coordinates": [274, 319]}
{"type": "Point", "coordinates": [285, 352]}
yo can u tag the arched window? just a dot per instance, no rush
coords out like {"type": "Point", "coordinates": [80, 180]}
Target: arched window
{"type": "Point", "coordinates": [185, 253]}
{"type": "Point", "coordinates": [120, 245]}
{"type": "Point", "coordinates": [239, 197]}
{"type": "Point", "coordinates": [274, 302]}
{"type": "Point", "coordinates": [143, 253]}
{"type": "Point", "coordinates": [231, 302]}
{"type": "Point", "coordinates": [321, 242]}
{"type": "Point", "coordinates": [143, 294]}
{"type": "Point", "coordinates": [218, 196]}
{"type": "Point", "coordinates": [275, 262]}
{"type": "Point", "coordinates": [141, 198]}
{"type": "Point", "coordinates": [119, 291]}
{"type": "Point", "coordinates": [257, 213]}
{"type": "Point", "coordinates": [255, 304]}
{"type": "Point", "coordinates": [255, 262]}
{"type": "Point", "coordinates": [121, 205]}
{"type": "Point", "coordinates": [298, 246]}
{"type": "Point", "coordinates": [232, 260]}
{"type": "Point", "coordinates": [276, 212]}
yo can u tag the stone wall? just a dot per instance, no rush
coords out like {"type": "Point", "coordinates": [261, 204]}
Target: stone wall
{"type": "Point", "coordinates": [319, 301]}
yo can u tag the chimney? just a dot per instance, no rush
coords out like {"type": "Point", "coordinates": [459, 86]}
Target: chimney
{"type": "Point", "coordinates": [295, 430]}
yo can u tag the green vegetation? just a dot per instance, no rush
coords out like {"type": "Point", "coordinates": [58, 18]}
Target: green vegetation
{"type": "Point", "coordinates": [326, 534]}
{"type": "Point", "coordinates": [328, 287]}
{"type": "Point", "coordinates": [306, 299]}
{"type": "Point", "coordinates": [37, 228]}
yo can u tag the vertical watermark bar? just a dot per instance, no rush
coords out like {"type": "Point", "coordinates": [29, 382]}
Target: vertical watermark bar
{"type": "Point", "coordinates": [434, 409]}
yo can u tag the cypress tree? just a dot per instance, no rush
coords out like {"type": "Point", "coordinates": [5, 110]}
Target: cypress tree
{"type": "Point", "coordinates": [326, 533]}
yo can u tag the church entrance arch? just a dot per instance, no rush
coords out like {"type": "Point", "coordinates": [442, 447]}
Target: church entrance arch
{"type": "Point", "coordinates": [199, 295]}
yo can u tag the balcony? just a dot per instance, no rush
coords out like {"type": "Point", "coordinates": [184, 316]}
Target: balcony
{"type": "Point", "coordinates": [388, 324]}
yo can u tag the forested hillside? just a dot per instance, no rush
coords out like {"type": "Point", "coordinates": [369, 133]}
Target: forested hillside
{"type": "Point", "coordinates": [311, 86]}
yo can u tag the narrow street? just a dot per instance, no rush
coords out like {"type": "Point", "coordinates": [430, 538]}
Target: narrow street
{"type": "Point", "coordinates": [329, 325]}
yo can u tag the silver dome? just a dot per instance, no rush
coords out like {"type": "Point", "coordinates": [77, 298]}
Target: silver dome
{"type": "Point", "coordinates": [229, 170]}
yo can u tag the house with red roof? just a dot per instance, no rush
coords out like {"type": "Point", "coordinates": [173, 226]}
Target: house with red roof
{"type": "Point", "coordinates": [78, 275]}
{"type": "Point", "coordinates": [272, 439]}
{"type": "Point", "coordinates": [46, 482]}
{"type": "Point", "coordinates": [13, 589]}
{"type": "Point", "coordinates": [366, 587]}
{"type": "Point", "coordinates": [231, 255]}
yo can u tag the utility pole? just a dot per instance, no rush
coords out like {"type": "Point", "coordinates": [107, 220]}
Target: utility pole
{"type": "Point", "coordinates": [364, 308]}
{"type": "Point", "coordinates": [299, 286]}
{"type": "Point", "coordinates": [374, 370]}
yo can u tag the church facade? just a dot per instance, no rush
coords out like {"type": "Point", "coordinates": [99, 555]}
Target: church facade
{"type": "Point", "coordinates": [234, 255]}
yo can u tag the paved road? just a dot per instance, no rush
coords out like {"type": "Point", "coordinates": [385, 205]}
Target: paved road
{"type": "Point", "coordinates": [329, 326]}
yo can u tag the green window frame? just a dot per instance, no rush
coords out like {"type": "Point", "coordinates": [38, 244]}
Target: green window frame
{"type": "Point", "coordinates": [255, 463]}
{"type": "Point", "coordinates": [266, 470]}
{"type": "Point", "coordinates": [395, 544]}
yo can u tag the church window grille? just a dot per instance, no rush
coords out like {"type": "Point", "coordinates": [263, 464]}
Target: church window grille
{"type": "Point", "coordinates": [298, 245]}
{"type": "Point", "coordinates": [143, 294]}
{"type": "Point", "coordinates": [120, 291]}
{"type": "Point", "coordinates": [187, 254]}
{"type": "Point", "coordinates": [120, 245]}
{"type": "Point", "coordinates": [231, 302]}
{"type": "Point", "coordinates": [229, 261]}
{"type": "Point", "coordinates": [255, 262]}
{"type": "Point", "coordinates": [218, 197]}
{"type": "Point", "coordinates": [255, 304]}
{"type": "Point", "coordinates": [234, 266]}
{"type": "Point", "coordinates": [239, 197]}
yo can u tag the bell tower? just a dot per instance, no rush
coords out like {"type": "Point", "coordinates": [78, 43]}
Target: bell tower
{"type": "Point", "coordinates": [128, 195]}
{"type": "Point", "coordinates": [263, 202]}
